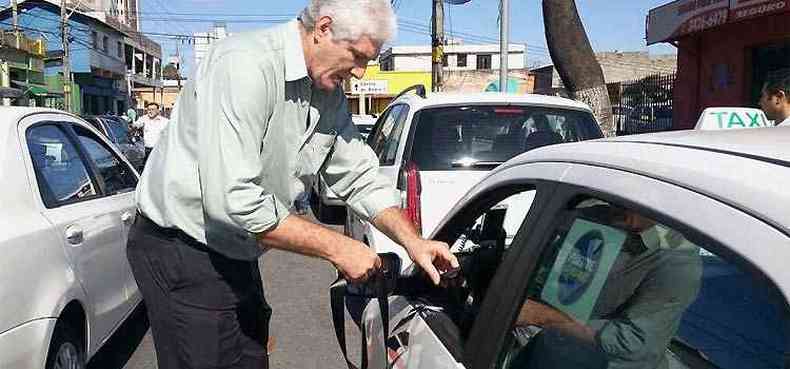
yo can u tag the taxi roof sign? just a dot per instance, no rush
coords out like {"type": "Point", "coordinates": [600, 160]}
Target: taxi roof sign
{"type": "Point", "coordinates": [732, 118]}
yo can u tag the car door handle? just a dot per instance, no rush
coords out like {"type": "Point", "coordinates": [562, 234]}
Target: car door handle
{"type": "Point", "coordinates": [74, 235]}
{"type": "Point", "coordinates": [126, 217]}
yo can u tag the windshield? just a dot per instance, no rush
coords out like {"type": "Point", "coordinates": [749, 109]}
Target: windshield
{"type": "Point", "coordinates": [480, 137]}
{"type": "Point", "coordinates": [119, 131]}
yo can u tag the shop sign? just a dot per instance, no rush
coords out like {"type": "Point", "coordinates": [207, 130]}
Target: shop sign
{"type": "Point", "coordinates": [732, 118]}
{"type": "Point", "coordinates": [359, 87]}
{"type": "Point", "coordinates": [745, 9]}
{"type": "Point", "coordinates": [684, 17]}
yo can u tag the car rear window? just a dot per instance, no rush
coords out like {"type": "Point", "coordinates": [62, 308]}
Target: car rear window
{"type": "Point", "coordinates": [120, 131]}
{"type": "Point", "coordinates": [481, 137]}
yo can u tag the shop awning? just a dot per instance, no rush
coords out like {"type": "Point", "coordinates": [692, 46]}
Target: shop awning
{"type": "Point", "coordinates": [36, 90]}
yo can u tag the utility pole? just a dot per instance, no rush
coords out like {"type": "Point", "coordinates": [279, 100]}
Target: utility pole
{"type": "Point", "coordinates": [437, 35]}
{"type": "Point", "coordinates": [15, 12]}
{"type": "Point", "coordinates": [504, 43]}
{"type": "Point", "coordinates": [64, 33]}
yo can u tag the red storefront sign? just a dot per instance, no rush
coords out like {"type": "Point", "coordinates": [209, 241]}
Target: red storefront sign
{"type": "Point", "coordinates": [684, 17]}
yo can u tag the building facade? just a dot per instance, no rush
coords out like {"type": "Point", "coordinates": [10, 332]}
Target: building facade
{"type": "Point", "coordinates": [107, 59]}
{"type": "Point", "coordinates": [617, 67]}
{"type": "Point", "coordinates": [457, 57]}
{"type": "Point", "coordinates": [726, 51]}
{"type": "Point", "coordinates": [22, 69]}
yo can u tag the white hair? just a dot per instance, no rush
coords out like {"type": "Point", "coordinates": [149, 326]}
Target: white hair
{"type": "Point", "coordinates": [352, 19]}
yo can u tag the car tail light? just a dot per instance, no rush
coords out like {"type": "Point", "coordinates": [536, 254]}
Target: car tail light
{"type": "Point", "coordinates": [410, 184]}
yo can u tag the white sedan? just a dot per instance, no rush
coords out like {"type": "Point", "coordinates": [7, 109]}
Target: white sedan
{"type": "Point", "coordinates": [67, 205]}
{"type": "Point", "coordinates": [654, 251]}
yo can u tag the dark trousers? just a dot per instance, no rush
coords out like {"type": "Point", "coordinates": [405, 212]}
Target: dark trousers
{"type": "Point", "coordinates": [206, 311]}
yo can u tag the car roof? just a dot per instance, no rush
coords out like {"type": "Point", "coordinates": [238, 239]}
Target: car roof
{"type": "Point", "coordinates": [443, 99]}
{"type": "Point", "coordinates": [14, 113]}
{"type": "Point", "coordinates": [748, 169]}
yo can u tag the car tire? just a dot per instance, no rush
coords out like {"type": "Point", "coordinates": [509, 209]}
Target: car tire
{"type": "Point", "coordinates": [65, 350]}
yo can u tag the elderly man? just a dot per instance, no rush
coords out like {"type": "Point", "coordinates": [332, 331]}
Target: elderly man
{"type": "Point", "coordinates": [775, 100]}
{"type": "Point", "coordinates": [262, 117]}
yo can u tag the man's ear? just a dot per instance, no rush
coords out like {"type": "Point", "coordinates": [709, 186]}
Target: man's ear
{"type": "Point", "coordinates": [323, 28]}
{"type": "Point", "coordinates": [782, 95]}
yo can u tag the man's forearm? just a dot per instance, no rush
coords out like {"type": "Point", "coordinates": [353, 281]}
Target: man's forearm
{"type": "Point", "coordinates": [396, 226]}
{"type": "Point", "coordinates": [297, 235]}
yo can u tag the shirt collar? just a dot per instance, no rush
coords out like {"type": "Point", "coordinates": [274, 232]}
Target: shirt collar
{"type": "Point", "coordinates": [295, 68]}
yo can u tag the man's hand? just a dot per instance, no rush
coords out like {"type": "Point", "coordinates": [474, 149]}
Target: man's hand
{"type": "Point", "coordinates": [356, 261]}
{"type": "Point", "coordinates": [432, 256]}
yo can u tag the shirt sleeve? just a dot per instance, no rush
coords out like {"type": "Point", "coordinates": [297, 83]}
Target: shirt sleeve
{"type": "Point", "coordinates": [138, 123]}
{"type": "Point", "coordinates": [650, 319]}
{"type": "Point", "coordinates": [236, 97]}
{"type": "Point", "coordinates": [352, 170]}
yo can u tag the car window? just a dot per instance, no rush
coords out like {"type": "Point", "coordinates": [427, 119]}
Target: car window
{"type": "Point", "coordinates": [481, 237]}
{"type": "Point", "coordinates": [117, 176]}
{"type": "Point", "coordinates": [390, 149]}
{"type": "Point", "coordinates": [615, 288]}
{"type": "Point", "coordinates": [388, 126]}
{"type": "Point", "coordinates": [479, 137]}
{"type": "Point", "coordinates": [61, 174]}
{"type": "Point", "coordinates": [119, 130]}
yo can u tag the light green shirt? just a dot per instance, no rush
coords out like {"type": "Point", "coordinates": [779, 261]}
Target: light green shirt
{"type": "Point", "coordinates": [248, 134]}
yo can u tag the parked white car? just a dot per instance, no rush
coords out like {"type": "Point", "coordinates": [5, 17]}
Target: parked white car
{"type": "Point", "coordinates": [436, 148]}
{"type": "Point", "coordinates": [654, 251]}
{"type": "Point", "coordinates": [67, 205]}
{"type": "Point", "coordinates": [364, 123]}
{"type": "Point", "coordinates": [326, 205]}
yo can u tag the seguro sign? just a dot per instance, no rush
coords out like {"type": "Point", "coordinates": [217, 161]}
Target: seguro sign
{"type": "Point", "coordinates": [732, 118]}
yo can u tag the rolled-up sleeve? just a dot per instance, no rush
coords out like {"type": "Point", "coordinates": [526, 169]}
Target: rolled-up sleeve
{"type": "Point", "coordinates": [352, 170]}
{"type": "Point", "coordinates": [236, 98]}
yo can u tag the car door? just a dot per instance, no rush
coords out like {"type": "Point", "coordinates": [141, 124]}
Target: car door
{"type": "Point", "coordinates": [429, 328]}
{"type": "Point", "coordinates": [77, 203]}
{"type": "Point", "coordinates": [613, 279]}
{"type": "Point", "coordinates": [118, 181]}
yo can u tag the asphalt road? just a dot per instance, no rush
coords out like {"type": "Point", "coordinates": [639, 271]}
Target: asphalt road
{"type": "Point", "coordinates": [296, 287]}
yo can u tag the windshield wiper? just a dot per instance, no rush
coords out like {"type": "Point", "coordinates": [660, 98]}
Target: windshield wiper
{"type": "Point", "coordinates": [475, 163]}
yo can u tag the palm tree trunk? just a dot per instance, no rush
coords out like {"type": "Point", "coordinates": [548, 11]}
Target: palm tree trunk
{"type": "Point", "coordinates": [575, 60]}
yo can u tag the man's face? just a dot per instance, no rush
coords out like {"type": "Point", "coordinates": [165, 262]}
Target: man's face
{"type": "Point", "coordinates": [772, 104]}
{"type": "Point", "coordinates": [339, 60]}
{"type": "Point", "coordinates": [152, 111]}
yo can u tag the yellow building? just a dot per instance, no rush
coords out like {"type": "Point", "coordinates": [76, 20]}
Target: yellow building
{"type": "Point", "coordinates": [375, 90]}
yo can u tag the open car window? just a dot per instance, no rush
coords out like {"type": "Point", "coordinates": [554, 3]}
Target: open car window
{"type": "Point", "coordinates": [482, 236]}
{"type": "Point", "coordinates": [614, 288]}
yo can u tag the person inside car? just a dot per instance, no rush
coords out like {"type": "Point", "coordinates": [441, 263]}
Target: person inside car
{"type": "Point", "coordinates": [641, 305]}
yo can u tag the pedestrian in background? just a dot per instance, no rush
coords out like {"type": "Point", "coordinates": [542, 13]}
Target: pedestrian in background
{"type": "Point", "coordinates": [775, 99]}
{"type": "Point", "coordinates": [264, 115]}
{"type": "Point", "coordinates": [152, 125]}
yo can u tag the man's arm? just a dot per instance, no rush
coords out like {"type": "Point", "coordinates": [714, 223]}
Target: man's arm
{"type": "Point", "coordinates": [352, 258]}
{"type": "Point", "coordinates": [138, 123]}
{"type": "Point", "coordinates": [432, 256]}
{"type": "Point", "coordinates": [352, 172]}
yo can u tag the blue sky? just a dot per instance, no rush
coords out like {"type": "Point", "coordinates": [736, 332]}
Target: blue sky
{"type": "Point", "coordinates": [610, 24]}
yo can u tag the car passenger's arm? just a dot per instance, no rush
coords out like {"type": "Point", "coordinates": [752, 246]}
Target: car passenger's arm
{"type": "Point", "coordinates": [650, 318]}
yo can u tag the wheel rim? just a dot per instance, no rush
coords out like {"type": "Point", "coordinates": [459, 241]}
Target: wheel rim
{"type": "Point", "coordinates": [68, 357]}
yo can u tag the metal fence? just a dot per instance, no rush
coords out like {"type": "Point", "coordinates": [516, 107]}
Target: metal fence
{"type": "Point", "coordinates": [645, 105]}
